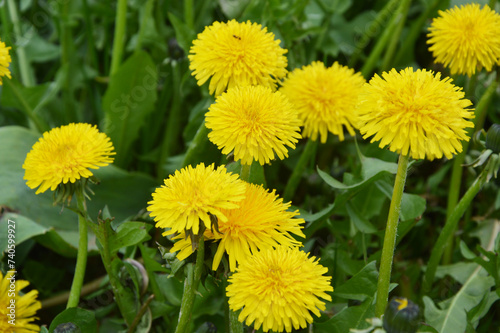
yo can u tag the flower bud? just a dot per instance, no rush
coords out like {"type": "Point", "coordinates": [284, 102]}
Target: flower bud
{"type": "Point", "coordinates": [401, 316]}
{"type": "Point", "coordinates": [493, 138]}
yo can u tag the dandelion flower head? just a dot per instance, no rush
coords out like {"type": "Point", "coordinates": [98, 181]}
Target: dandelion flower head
{"type": "Point", "coordinates": [192, 194]}
{"type": "Point", "coordinates": [262, 221]}
{"type": "Point", "coordinates": [415, 113]}
{"type": "Point", "coordinates": [325, 98]}
{"type": "Point", "coordinates": [237, 54]}
{"type": "Point", "coordinates": [65, 154]}
{"type": "Point", "coordinates": [278, 288]}
{"type": "Point", "coordinates": [466, 38]}
{"type": "Point", "coordinates": [4, 61]}
{"type": "Point", "coordinates": [26, 305]}
{"type": "Point", "coordinates": [254, 122]}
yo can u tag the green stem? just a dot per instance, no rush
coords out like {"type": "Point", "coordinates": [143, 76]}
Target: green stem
{"type": "Point", "coordinates": [24, 66]}
{"type": "Point", "coordinates": [448, 230]}
{"type": "Point", "coordinates": [191, 282]}
{"type": "Point", "coordinates": [189, 14]}
{"type": "Point", "coordinates": [245, 172]}
{"type": "Point", "coordinates": [384, 278]}
{"type": "Point", "coordinates": [483, 104]}
{"type": "Point", "coordinates": [173, 125]}
{"type": "Point", "coordinates": [147, 9]}
{"type": "Point", "coordinates": [119, 38]}
{"type": "Point", "coordinates": [374, 56]}
{"type": "Point", "coordinates": [235, 326]}
{"type": "Point", "coordinates": [372, 30]}
{"type": "Point", "coordinates": [457, 170]}
{"type": "Point", "coordinates": [81, 258]}
{"type": "Point", "coordinates": [408, 44]}
{"type": "Point", "coordinates": [67, 44]}
{"type": "Point", "coordinates": [89, 33]}
{"type": "Point", "coordinates": [307, 156]}
{"type": "Point", "coordinates": [401, 14]}
{"type": "Point", "coordinates": [196, 145]}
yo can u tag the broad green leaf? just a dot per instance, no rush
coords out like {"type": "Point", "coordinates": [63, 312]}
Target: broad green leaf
{"type": "Point", "coordinates": [451, 315]}
{"type": "Point", "coordinates": [412, 205]}
{"type": "Point", "coordinates": [129, 98]}
{"type": "Point", "coordinates": [183, 33]}
{"type": "Point", "coordinates": [127, 234]}
{"type": "Point", "coordinates": [347, 318]}
{"type": "Point", "coordinates": [233, 8]}
{"type": "Point", "coordinates": [83, 319]}
{"type": "Point", "coordinates": [359, 221]}
{"type": "Point", "coordinates": [129, 302]}
{"type": "Point", "coordinates": [361, 286]}
{"type": "Point", "coordinates": [20, 226]}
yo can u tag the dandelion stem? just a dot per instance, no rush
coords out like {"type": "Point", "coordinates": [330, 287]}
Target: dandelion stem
{"type": "Point", "coordinates": [119, 37]}
{"type": "Point", "coordinates": [449, 228]}
{"type": "Point", "coordinates": [384, 278]}
{"type": "Point", "coordinates": [193, 275]}
{"type": "Point", "coordinates": [307, 155]}
{"type": "Point", "coordinates": [234, 324]}
{"type": "Point", "coordinates": [27, 77]}
{"type": "Point", "coordinates": [81, 258]}
{"type": "Point", "coordinates": [245, 172]}
{"type": "Point", "coordinates": [196, 145]}
{"type": "Point", "coordinates": [401, 14]}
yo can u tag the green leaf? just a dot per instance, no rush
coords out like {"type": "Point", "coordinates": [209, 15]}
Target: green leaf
{"type": "Point", "coordinates": [347, 318]}
{"type": "Point", "coordinates": [83, 319]}
{"type": "Point", "coordinates": [183, 33]}
{"type": "Point", "coordinates": [127, 234]}
{"type": "Point", "coordinates": [20, 226]}
{"type": "Point", "coordinates": [412, 205]}
{"type": "Point", "coordinates": [451, 316]}
{"type": "Point", "coordinates": [359, 221]}
{"type": "Point", "coordinates": [129, 303]}
{"type": "Point", "coordinates": [361, 286]}
{"type": "Point", "coordinates": [128, 100]}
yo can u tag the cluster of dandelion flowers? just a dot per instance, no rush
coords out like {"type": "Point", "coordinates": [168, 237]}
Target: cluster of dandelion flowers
{"type": "Point", "coordinates": [4, 61]}
{"type": "Point", "coordinates": [415, 113]}
{"type": "Point", "coordinates": [261, 221]}
{"type": "Point", "coordinates": [26, 305]}
{"type": "Point", "coordinates": [192, 195]}
{"type": "Point", "coordinates": [253, 122]}
{"type": "Point", "coordinates": [66, 154]}
{"type": "Point", "coordinates": [325, 98]}
{"type": "Point", "coordinates": [466, 38]}
{"type": "Point", "coordinates": [237, 54]}
{"type": "Point", "coordinates": [278, 288]}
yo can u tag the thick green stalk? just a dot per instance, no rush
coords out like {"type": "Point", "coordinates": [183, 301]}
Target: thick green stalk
{"type": "Point", "coordinates": [235, 326]}
{"type": "Point", "coordinates": [448, 230]}
{"type": "Point", "coordinates": [381, 44]}
{"type": "Point", "coordinates": [391, 229]}
{"type": "Point", "coordinates": [147, 9]}
{"type": "Point", "coordinates": [27, 77]}
{"type": "Point", "coordinates": [119, 38]}
{"type": "Point", "coordinates": [307, 156]}
{"type": "Point", "coordinates": [196, 145]}
{"type": "Point", "coordinates": [457, 169]}
{"type": "Point", "coordinates": [245, 172]}
{"type": "Point", "coordinates": [372, 30]}
{"type": "Point", "coordinates": [191, 282]}
{"type": "Point", "coordinates": [81, 258]}
{"type": "Point", "coordinates": [401, 14]}
{"type": "Point", "coordinates": [173, 125]}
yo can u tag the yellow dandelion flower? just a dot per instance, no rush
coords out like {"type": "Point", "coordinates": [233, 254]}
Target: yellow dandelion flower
{"type": "Point", "coordinates": [192, 194]}
{"type": "Point", "coordinates": [16, 308]}
{"type": "Point", "coordinates": [237, 54]}
{"type": "Point", "coordinates": [466, 38]}
{"type": "Point", "coordinates": [4, 61]}
{"type": "Point", "coordinates": [415, 113]}
{"type": "Point", "coordinates": [254, 122]}
{"type": "Point", "coordinates": [262, 221]}
{"type": "Point", "coordinates": [65, 154]}
{"type": "Point", "coordinates": [325, 98]}
{"type": "Point", "coordinates": [278, 288]}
